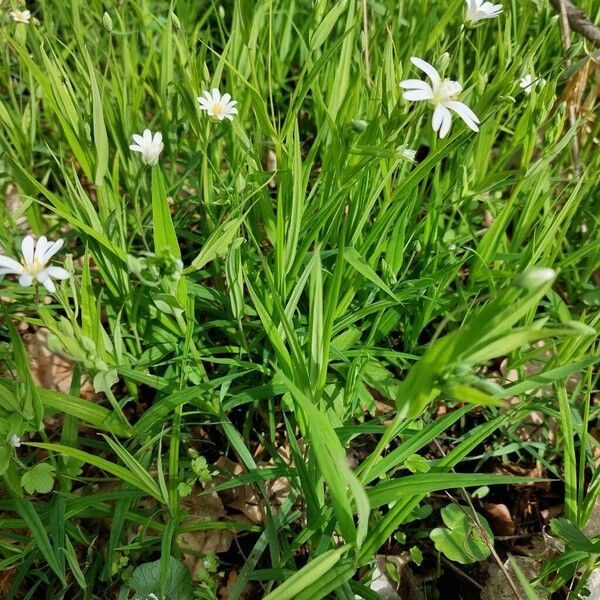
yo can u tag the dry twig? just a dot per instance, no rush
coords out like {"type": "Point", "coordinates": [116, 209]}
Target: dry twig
{"type": "Point", "coordinates": [578, 20]}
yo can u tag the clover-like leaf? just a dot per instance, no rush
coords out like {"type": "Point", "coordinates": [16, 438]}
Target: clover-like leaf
{"type": "Point", "coordinates": [417, 464]}
{"type": "Point", "coordinates": [464, 540]}
{"type": "Point", "coordinates": [145, 582]}
{"type": "Point", "coordinates": [38, 479]}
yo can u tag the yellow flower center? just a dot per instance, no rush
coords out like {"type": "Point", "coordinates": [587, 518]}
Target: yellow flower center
{"type": "Point", "coordinates": [217, 109]}
{"type": "Point", "coordinates": [34, 268]}
{"type": "Point", "coordinates": [445, 91]}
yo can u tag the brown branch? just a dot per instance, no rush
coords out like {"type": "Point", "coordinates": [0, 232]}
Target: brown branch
{"type": "Point", "coordinates": [578, 20]}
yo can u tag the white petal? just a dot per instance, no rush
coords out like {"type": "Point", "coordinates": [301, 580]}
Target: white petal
{"type": "Point", "coordinates": [453, 88]}
{"type": "Point", "coordinates": [438, 117]}
{"type": "Point", "coordinates": [52, 250]}
{"type": "Point", "coordinates": [414, 95]}
{"type": "Point", "coordinates": [441, 121]}
{"type": "Point", "coordinates": [49, 285]}
{"type": "Point", "coordinates": [25, 280]}
{"type": "Point", "coordinates": [226, 98]}
{"type": "Point", "coordinates": [138, 139]}
{"type": "Point", "coordinates": [465, 113]}
{"type": "Point", "coordinates": [10, 265]}
{"type": "Point", "coordinates": [27, 246]}
{"type": "Point", "coordinates": [427, 68]}
{"type": "Point", "coordinates": [157, 140]}
{"type": "Point", "coordinates": [491, 9]}
{"type": "Point", "coordinates": [216, 95]}
{"type": "Point", "coordinates": [202, 101]}
{"type": "Point", "coordinates": [136, 148]}
{"type": "Point", "coordinates": [57, 273]}
{"type": "Point", "coordinates": [414, 84]}
{"type": "Point", "coordinates": [147, 137]}
{"type": "Point", "coordinates": [41, 247]}
{"type": "Point", "coordinates": [43, 276]}
{"type": "Point", "coordinates": [446, 125]}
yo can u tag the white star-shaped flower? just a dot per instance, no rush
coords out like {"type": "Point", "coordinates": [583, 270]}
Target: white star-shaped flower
{"type": "Point", "coordinates": [442, 93]}
{"type": "Point", "coordinates": [33, 264]}
{"type": "Point", "coordinates": [20, 16]}
{"type": "Point", "coordinates": [528, 83]}
{"type": "Point", "coordinates": [149, 146]}
{"type": "Point", "coordinates": [15, 441]}
{"type": "Point", "coordinates": [216, 106]}
{"type": "Point", "coordinates": [478, 10]}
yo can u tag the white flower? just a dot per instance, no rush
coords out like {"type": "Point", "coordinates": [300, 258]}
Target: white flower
{"type": "Point", "coordinates": [218, 107]}
{"type": "Point", "coordinates": [33, 265]}
{"type": "Point", "coordinates": [148, 146]}
{"type": "Point", "coordinates": [15, 441]}
{"type": "Point", "coordinates": [409, 154]}
{"type": "Point", "coordinates": [442, 93]}
{"type": "Point", "coordinates": [528, 83]}
{"type": "Point", "coordinates": [477, 10]}
{"type": "Point", "coordinates": [20, 16]}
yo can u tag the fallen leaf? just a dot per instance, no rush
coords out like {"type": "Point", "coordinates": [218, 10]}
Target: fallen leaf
{"type": "Point", "coordinates": [500, 518]}
{"type": "Point", "coordinates": [194, 544]}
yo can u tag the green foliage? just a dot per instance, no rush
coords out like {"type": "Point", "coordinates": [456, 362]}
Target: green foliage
{"type": "Point", "coordinates": [466, 538]}
{"type": "Point", "coordinates": [290, 294]}
{"type": "Point", "coordinates": [145, 582]}
{"type": "Point", "coordinates": [39, 478]}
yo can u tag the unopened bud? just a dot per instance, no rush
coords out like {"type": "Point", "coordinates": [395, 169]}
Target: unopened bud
{"type": "Point", "coordinates": [107, 22]}
{"type": "Point", "coordinates": [359, 125]}
{"type": "Point", "coordinates": [534, 278]}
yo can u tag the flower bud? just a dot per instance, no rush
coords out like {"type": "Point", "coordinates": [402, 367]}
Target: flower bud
{"type": "Point", "coordinates": [359, 125]}
{"type": "Point", "coordinates": [107, 22]}
{"type": "Point", "coordinates": [175, 20]}
{"type": "Point", "coordinates": [443, 62]}
{"type": "Point", "coordinates": [535, 278]}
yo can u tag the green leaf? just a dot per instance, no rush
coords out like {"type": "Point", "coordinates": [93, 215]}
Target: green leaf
{"type": "Point", "coordinates": [416, 555]}
{"type": "Point", "coordinates": [39, 478]}
{"type": "Point", "coordinates": [417, 464]}
{"type": "Point", "coordinates": [573, 536]}
{"type": "Point", "coordinates": [184, 489]}
{"type": "Point", "coordinates": [145, 582]}
{"type": "Point", "coordinates": [31, 405]}
{"type": "Point", "coordinates": [122, 473]}
{"type": "Point", "coordinates": [465, 540]}
{"type": "Point", "coordinates": [355, 260]}
{"type": "Point", "coordinates": [104, 380]}
{"type": "Point", "coordinates": [424, 483]}
{"type": "Point", "coordinates": [100, 136]}
{"type": "Point", "coordinates": [218, 244]}
{"type": "Point", "coordinates": [165, 237]}
{"type": "Point", "coordinates": [313, 571]}
{"type": "Point", "coordinates": [327, 24]}
{"type": "Point", "coordinates": [27, 512]}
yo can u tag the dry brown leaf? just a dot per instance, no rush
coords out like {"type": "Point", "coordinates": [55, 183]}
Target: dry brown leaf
{"type": "Point", "coordinates": [500, 518]}
{"type": "Point", "coordinates": [201, 508]}
{"type": "Point", "coordinates": [50, 370]}
{"type": "Point", "coordinates": [245, 499]}
{"type": "Point", "coordinates": [14, 206]}
{"type": "Point", "coordinates": [552, 512]}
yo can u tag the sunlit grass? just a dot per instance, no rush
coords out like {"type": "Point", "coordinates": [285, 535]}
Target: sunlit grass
{"type": "Point", "coordinates": [280, 283]}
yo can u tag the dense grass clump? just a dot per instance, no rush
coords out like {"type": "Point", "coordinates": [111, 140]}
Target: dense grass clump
{"type": "Point", "coordinates": [299, 299]}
